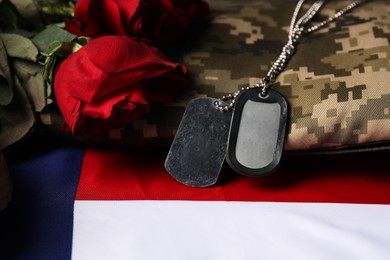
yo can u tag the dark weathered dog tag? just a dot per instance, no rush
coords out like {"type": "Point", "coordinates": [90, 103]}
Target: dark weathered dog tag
{"type": "Point", "coordinates": [257, 132]}
{"type": "Point", "coordinates": [198, 151]}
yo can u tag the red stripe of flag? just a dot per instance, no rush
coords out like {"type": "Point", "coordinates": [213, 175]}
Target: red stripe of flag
{"type": "Point", "coordinates": [139, 174]}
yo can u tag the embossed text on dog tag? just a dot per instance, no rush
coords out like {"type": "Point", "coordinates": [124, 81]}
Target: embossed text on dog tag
{"type": "Point", "coordinates": [257, 132]}
{"type": "Point", "coordinates": [198, 151]}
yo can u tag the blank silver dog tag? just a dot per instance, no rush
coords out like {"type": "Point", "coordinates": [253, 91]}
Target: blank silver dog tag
{"type": "Point", "coordinates": [257, 132]}
{"type": "Point", "coordinates": [198, 151]}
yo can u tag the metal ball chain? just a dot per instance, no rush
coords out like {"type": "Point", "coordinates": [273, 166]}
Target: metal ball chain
{"type": "Point", "coordinates": [297, 30]}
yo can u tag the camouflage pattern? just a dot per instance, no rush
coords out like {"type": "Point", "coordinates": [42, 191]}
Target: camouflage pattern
{"type": "Point", "coordinates": [337, 83]}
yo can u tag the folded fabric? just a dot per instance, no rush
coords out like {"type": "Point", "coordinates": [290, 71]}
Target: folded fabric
{"type": "Point", "coordinates": [336, 83]}
{"type": "Point", "coordinates": [38, 222]}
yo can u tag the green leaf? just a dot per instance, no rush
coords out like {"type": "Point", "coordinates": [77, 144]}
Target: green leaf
{"type": "Point", "coordinates": [55, 11]}
{"type": "Point", "coordinates": [16, 119]}
{"type": "Point", "coordinates": [9, 16]}
{"type": "Point", "coordinates": [53, 34]}
{"type": "Point", "coordinates": [11, 19]}
{"type": "Point", "coordinates": [6, 82]}
{"type": "Point", "coordinates": [29, 10]}
{"type": "Point", "coordinates": [30, 77]}
{"type": "Point", "coordinates": [18, 46]}
{"type": "Point", "coordinates": [58, 49]}
{"type": "Point", "coordinates": [68, 48]}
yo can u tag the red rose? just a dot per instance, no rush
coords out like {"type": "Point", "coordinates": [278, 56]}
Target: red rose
{"type": "Point", "coordinates": [110, 82]}
{"type": "Point", "coordinates": [156, 22]}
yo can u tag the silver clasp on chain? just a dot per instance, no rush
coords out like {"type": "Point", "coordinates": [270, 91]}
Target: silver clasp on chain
{"type": "Point", "coordinates": [264, 84]}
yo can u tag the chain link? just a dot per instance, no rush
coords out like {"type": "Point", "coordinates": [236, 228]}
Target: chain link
{"type": "Point", "coordinates": [297, 30]}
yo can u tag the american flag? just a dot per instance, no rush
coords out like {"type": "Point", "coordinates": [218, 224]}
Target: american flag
{"type": "Point", "coordinates": [81, 202]}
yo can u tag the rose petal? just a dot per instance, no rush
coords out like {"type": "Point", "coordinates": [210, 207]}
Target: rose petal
{"type": "Point", "coordinates": [110, 63]}
{"type": "Point", "coordinates": [95, 18]}
{"type": "Point", "coordinates": [156, 22]}
{"type": "Point", "coordinates": [114, 112]}
{"type": "Point", "coordinates": [110, 82]}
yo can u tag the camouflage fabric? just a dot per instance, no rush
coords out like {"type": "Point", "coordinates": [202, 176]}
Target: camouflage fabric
{"type": "Point", "coordinates": [337, 83]}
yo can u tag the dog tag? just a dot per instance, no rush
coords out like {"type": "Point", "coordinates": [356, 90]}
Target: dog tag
{"type": "Point", "coordinates": [198, 151]}
{"type": "Point", "coordinates": [257, 132]}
